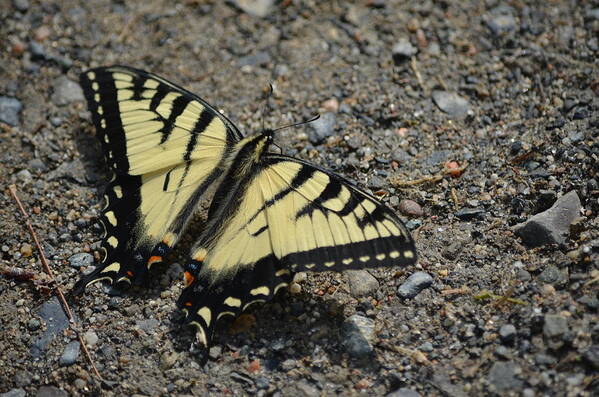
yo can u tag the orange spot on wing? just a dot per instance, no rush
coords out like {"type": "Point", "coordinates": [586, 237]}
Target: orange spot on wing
{"type": "Point", "coordinates": [129, 273]}
{"type": "Point", "coordinates": [188, 304]}
{"type": "Point", "coordinates": [154, 259]}
{"type": "Point", "coordinates": [188, 278]}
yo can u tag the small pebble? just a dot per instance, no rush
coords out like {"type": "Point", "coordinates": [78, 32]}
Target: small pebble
{"type": "Point", "coordinates": [70, 353]}
{"type": "Point", "coordinates": [82, 259]}
{"type": "Point", "coordinates": [21, 5]}
{"type": "Point", "coordinates": [322, 128]}
{"type": "Point", "coordinates": [90, 338]}
{"type": "Point", "coordinates": [555, 325]}
{"type": "Point", "coordinates": [507, 332]}
{"type": "Point", "coordinates": [410, 208]}
{"type": "Point", "coordinates": [403, 50]}
{"type": "Point", "coordinates": [414, 284]}
{"type": "Point", "coordinates": [26, 250]}
{"type": "Point", "coordinates": [361, 283]}
{"type": "Point", "coordinates": [33, 324]}
{"type": "Point", "coordinates": [9, 110]}
{"type": "Point", "coordinates": [451, 103]}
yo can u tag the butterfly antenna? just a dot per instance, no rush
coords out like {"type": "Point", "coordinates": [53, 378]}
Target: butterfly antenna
{"type": "Point", "coordinates": [298, 124]}
{"type": "Point", "coordinates": [265, 104]}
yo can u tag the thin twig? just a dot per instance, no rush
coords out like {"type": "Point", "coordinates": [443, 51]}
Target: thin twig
{"type": "Point", "coordinates": [416, 71]}
{"type": "Point", "coordinates": [48, 270]}
{"type": "Point", "coordinates": [453, 291]}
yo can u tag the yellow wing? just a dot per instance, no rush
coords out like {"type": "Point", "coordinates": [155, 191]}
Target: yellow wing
{"type": "Point", "coordinates": [292, 216]}
{"type": "Point", "coordinates": [164, 145]}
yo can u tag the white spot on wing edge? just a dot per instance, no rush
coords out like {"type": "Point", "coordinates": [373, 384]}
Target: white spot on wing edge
{"type": "Point", "coordinates": [408, 254]}
{"type": "Point", "coordinates": [394, 254]}
{"type": "Point", "coordinates": [112, 241]}
{"type": "Point", "coordinates": [113, 267]}
{"type": "Point", "coordinates": [233, 302]}
{"type": "Point", "coordinates": [206, 314]}
{"type": "Point", "coordinates": [260, 291]}
{"type": "Point", "coordinates": [111, 218]}
{"type": "Point", "coordinates": [118, 191]}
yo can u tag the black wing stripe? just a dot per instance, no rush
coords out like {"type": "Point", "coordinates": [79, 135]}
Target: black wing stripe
{"type": "Point", "coordinates": [200, 126]}
{"type": "Point", "coordinates": [178, 106]}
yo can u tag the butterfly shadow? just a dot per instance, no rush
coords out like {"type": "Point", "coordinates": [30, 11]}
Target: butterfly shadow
{"type": "Point", "coordinates": [278, 333]}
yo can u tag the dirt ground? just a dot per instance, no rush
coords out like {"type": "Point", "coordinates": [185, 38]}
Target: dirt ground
{"type": "Point", "coordinates": [406, 89]}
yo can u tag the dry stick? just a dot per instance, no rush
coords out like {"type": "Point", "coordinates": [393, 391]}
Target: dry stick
{"type": "Point", "coordinates": [61, 297]}
{"type": "Point", "coordinates": [416, 71]}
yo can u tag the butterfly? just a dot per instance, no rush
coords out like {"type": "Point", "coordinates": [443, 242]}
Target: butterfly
{"type": "Point", "coordinates": [271, 215]}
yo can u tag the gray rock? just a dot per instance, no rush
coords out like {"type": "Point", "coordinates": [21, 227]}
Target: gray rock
{"type": "Point", "coordinates": [523, 275]}
{"type": "Point", "coordinates": [14, 393]}
{"type": "Point", "coordinates": [554, 325]}
{"type": "Point", "coordinates": [357, 334]}
{"type": "Point", "coordinates": [72, 170]}
{"type": "Point", "coordinates": [403, 392]}
{"type": "Point", "coordinates": [361, 283]}
{"type": "Point", "coordinates": [376, 182]}
{"type": "Point", "coordinates": [148, 325]}
{"type": "Point", "coordinates": [9, 110]}
{"type": "Point", "coordinates": [260, 58]}
{"type": "Point", "coordinates": [307, 389]}
{"type": "Point", "coordinates": [403, 50]}
{"type": "Point", "coordinates": [591, 355]}
{"type": "Point", "coordinates": [503, 376]}
{"type": "Point", "coordinates": [452, 251]}
{"type": "Point", "coordinates": [51, 391]}
{"type": "Point", "coordinates": [70, 354]}
{"type": "Point", "coordinates": [551, 226]}
{"type": "Point", "coordinates": [507, 332]}
{"type": "Point", "coordinates": [500, 20]}
{"type": "Point", "coordinates": [37, 51]}
{"type": "Point", "coordinates": [82, 259]}
{"type": "Point", "coordinates": [37, 165]}
{"type": "Point", "coordinates": [401, 156]}
{"type": "Point", "coordinates": [215, 352]}
{"type": "Point", "coordinates": [322, 128]}
{"type": "Point", "coordinates": [426, 347]}
{"type": "Point", "coordinates": [589, 301]}
{"type": "Point", "coordinates": [451, 103]}
{"type": "Point", "coordinates": [414, 284]}
{"type": "Point", "coordinates": [21, 5]}
{"type": "Point", "coordinates": [552, 275]}
{"type": "Point", "coordinates": [56, 321]}
{"type": "Point", "coordinates": [90, 338]}
{"type": "Point", "coordinates": [24, 176]}
{"type": "Point", "coordinates": [545, 359]}
{"type": "Point", "coordinates": [257, 8]}
{"type": "Point", "coordinates": [262, 383]}
{"type": "Point", "coordinates": [592, 14]}
{"type": "Point", "coordinates": [66, 91]}
{"type": "Point", "coordinates": [33, 324]}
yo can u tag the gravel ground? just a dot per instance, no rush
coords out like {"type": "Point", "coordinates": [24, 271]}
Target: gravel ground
{"type": "Point", "coordinates": [504, 298]}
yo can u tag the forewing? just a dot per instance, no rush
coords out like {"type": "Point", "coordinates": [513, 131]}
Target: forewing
{"type": "Point", "coordinates": [164, 145]}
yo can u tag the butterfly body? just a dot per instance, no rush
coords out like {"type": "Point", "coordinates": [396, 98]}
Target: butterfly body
{"type": "Point", "coordinates": [271, 215]}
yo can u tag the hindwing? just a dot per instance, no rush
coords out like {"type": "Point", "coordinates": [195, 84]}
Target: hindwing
{"type": "Point", "coordinates": [164, 145]}
{"type": "Point", "coordinates": [290, 216]}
